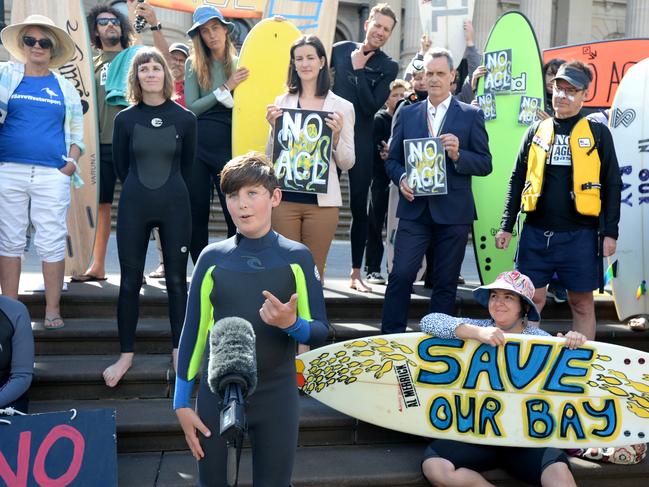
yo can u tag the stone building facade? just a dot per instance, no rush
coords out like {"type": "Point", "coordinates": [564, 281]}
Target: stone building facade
{"type": "Point", "coordinates": [557, 22]}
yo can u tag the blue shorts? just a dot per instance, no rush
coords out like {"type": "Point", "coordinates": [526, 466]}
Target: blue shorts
{"type": "Point", "coordinates": [572, 255]}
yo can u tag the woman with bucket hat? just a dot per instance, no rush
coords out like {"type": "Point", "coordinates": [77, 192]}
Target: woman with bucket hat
{"type": "Point", "coordinates": [211, 74]}
{"type": "Point", "coordinates": [450, 462]}
{"type": "Point", "coordinates": [41, 138]}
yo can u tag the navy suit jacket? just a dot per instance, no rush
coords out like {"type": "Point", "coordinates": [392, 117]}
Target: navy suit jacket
{"type": "Point", "coordinates": [464, 121]}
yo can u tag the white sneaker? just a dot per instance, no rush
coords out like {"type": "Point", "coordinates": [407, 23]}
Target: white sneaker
{"type": "Point", "coordinates": [375, 278]}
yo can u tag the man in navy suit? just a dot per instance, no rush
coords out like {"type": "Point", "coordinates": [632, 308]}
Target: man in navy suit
{"type": "Point", "coordinates": [443, 220]}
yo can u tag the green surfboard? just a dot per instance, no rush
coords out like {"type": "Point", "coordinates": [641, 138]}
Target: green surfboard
{"type": "Point", "coordinates": [514, 79]}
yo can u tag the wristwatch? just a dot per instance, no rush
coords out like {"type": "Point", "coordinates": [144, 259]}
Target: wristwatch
{"type": "Point", "coordinates": [158, 26]}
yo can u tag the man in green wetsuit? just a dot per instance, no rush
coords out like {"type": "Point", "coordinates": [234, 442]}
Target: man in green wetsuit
{"type": "Point", "coordinates": [273, 282]}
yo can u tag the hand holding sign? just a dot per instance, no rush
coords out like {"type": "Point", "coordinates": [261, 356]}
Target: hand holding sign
{"type": "Point", "coordinates": [273, 112]}
{"type": "Point", "coordinates": [335, 122]}
{"type": "Point", "coordinates": [275, 313]}
{"type": "Point", "coordinates": [406, 190]}
{"type": "Point", "coordinates": [451, 145]}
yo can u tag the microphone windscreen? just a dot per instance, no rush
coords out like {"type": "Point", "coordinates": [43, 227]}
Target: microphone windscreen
{"type": "Point", "coordinates": [232, 356]}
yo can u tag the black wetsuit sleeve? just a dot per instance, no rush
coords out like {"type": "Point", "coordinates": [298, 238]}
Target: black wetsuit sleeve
{"type": "Point", "coordinates": [22, 352]}
{"type": "Point", "coordinates": [516, 183]}
{"type": "Point", "coordinates": [610, 179]}
{"type": "Point", "coordinates": [189, 148]}
{"type": "Point", "coordinates": [121, 139]}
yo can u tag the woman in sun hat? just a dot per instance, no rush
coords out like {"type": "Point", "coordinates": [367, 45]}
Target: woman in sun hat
{"type": "Point", "coordinates": [41, 138]}
{"type": "Point", "coordinates": [449, 462]}
{"type": "Point", "coordinates": [211, 74]}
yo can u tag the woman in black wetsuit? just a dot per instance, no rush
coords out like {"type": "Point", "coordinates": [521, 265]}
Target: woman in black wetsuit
{"type": "Point", "coordinates": [154, 146]}
{"type": "Point", "coordinates": [211, 74]}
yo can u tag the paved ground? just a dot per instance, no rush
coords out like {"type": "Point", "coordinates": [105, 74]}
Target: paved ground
{"type": "Point", "coordinates": [338, 263]}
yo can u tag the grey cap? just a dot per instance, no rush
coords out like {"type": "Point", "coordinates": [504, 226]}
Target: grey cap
{"type": "Point", "coordinates": [180, 47]}
{"type": "Point", "coordinates": [576, 77]}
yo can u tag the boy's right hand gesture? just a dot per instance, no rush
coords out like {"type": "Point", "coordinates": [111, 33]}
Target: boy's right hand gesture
{"type": "Point", "coordinates": [190, 422]}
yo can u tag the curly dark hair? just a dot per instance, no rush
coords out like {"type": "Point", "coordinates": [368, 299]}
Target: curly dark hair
{"type": "Point", "coordinates": [127, 29]}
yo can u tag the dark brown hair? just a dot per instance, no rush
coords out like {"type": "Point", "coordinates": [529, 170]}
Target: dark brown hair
{"type": "Point", "coordinates": [250, 169]}
{"type": "Point", "coordinates": [127, 30]}
{"type": "Point", "coordinates": [143, 56]}
{"type": "Point", "coordinates": [293, 82]}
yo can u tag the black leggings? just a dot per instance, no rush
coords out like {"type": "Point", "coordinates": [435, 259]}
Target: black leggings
{"type": "Point", "coordinates": [214, 151]}
{"type": "Point", "coordinates": [380, 192]}
{"type": "Point", "coordinates": [360, 177]}
{"type": "Point", "coordinates": [141, 210]}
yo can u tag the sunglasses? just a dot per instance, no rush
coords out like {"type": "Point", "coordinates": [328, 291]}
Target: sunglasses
{"type": "Point", "coordinates": [44, 43]}
{"type": "Point", "coordinates": [105, 21]}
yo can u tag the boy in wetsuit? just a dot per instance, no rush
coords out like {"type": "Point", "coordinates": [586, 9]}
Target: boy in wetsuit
{"type": "Point", "coordinates": [272, 282]}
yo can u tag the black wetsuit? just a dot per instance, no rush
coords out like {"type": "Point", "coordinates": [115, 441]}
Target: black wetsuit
{"type": "Point", "coordinates": [228, 281]}
{"type": "Point", "coordinates": [153, 149]}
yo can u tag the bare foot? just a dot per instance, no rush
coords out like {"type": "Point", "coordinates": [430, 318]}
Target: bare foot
{"type": "Point", "coordinates": [114, 373]}
{"type": "Point", "coordinates": [357, 283]}
{"type": "Point", "coordinates": [174, 359]}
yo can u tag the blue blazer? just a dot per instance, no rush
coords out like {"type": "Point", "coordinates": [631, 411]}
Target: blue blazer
{"type": "Point", "coordinates": [464, 121]}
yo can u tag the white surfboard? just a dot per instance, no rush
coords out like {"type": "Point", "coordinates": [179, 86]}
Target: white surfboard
{"type": "Point", "coordinates": [530, 392]}
{"type": "Point", "coordinates": [629, 124]}
{"type": "Point", "coordinates": [443, 21]}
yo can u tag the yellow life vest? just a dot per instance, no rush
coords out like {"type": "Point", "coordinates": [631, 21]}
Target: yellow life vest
{"type": "Point", "coordinates": [585, 167]}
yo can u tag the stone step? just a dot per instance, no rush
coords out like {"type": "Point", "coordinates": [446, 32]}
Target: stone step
{"type": "Point", "coordinates": [62, 377]}
{"type": "Point", "coordinates": [99, 300]}
{"type": "Point", "coordinates": [390, 465]}
{"type": "Point", "coordinates": [145, 425]}
{"type": "Point", "coordinates": [87, 336]}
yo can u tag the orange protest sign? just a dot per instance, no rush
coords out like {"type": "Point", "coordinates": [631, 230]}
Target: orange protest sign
{"type": "Point", "coordinates": [609, 61]}
{"type": "Point", "coordinates": [250, 9]}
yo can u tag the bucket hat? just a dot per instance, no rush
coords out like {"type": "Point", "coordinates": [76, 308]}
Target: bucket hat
{"type": "Point", "coordinates": [512, 281]}
{"type": "Point", "coordinates": [205, 13]}
{"type": "Point", "coordinates": [64, 45]}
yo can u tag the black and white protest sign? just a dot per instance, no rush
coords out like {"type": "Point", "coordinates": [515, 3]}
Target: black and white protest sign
{"type": "Point", "coordinates": [426, 166]}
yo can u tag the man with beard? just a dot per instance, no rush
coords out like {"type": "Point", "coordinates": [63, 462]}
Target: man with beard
{"type": "Point", "coordinates": [111, 33]}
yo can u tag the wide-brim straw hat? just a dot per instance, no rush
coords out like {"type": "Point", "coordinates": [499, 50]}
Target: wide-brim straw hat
{"type": "Point", "coordinates": [61, 53]}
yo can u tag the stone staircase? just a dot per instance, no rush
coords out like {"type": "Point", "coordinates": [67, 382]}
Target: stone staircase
{"type": "Point", "coordinates": [334, 449]}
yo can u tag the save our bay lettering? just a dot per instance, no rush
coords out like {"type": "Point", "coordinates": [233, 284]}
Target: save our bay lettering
{"type": "Point", "coordinates": [549, 378]}
{"type": "Point", "coordinates": [425, 166]}
{"type": "Point", "coordinates": [302, 146]}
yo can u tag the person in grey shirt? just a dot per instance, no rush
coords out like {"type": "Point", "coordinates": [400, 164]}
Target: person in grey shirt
{"type": "Point", "coordinates": [16, 354]}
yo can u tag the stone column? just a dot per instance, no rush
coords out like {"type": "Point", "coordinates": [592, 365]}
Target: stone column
{"type": "Point", "coordinates": [411, 31]}
{"type": "Point", "coordinates": [539, 12]}
{"type": "Point", "coordinates": [393, 47]}
{"type": "Point", "coordinates": [574, 22]}
{"type": "Point", "coordinates": [485, 14]}
{"type": "Point", "coordinates": [637, 18]}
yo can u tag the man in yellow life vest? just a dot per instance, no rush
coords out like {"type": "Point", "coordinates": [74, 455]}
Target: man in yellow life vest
{"type": "Point", "coordinates": [567, 182]}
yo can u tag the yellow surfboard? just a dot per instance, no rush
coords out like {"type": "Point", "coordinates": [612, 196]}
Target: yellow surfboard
{"type": "Point", "coordinates": [266, 53]}
{"type": "Point", "coordinates": [82, 214]}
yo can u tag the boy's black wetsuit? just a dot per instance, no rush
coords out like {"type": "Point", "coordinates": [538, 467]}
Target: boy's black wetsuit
{"type": "Point", "coordinates": [153, 150]}
{"type": "Point", "coordinates": [228, 281]}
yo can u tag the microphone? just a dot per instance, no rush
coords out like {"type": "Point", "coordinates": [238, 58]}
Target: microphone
{"type": "Point", "coordinates": [232, 368]}
{"type": "Point", "coordinates": [232, 375]}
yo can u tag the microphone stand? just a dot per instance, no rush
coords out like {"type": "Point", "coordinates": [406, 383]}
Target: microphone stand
{"type": "Point", "coordinates": [233, 426]}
